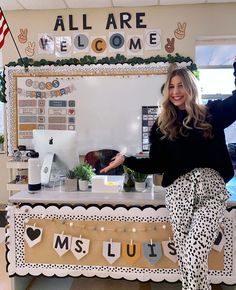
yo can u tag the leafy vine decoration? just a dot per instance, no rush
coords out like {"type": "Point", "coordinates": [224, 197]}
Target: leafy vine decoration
{"type": "Point", "coordinates": [89, 60]}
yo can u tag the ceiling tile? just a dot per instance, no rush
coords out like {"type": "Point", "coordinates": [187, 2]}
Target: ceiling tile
{"type": "Point", "coordinates": [221, 1]}
{"type": "Point", "coordinates": [132, 3]}
{"type": "Point", "coordinates": [43, 4]}
{"type": "Point", "coordinates": [10, 5]}
{"type": "Point", "coordinates": [175, 2]}
{"type": "Point", "coordinates": [88, 3]}
{"type": "Point", "coordinates": [63, 4]}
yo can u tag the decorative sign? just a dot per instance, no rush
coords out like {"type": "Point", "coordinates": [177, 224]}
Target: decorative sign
{"type": "Point", "coordinates": [110, 246]}
{"type": "Point", "coordinates": [131, 251]}
{"type": "Point", "coordinates": [81, 43]}
{"type": "Point", "coordinates": [33, 235]}
{"type": "Point", "coordinates": [146, 39]}
{"type": "Point", "coordinates": [46, 44]}
{"type": "Point", "coordinates": [180, 31]}
{"type": "Point", "coordinates": [219, 242]}
{"type": "Point", "coordinates": [169, 250]}
{"type": "Point", "coordinates": [152, 39]}
{"type": "Point", "coordinates": [170, 45]}
{"type": "Point", "coordinates": [111, 251]}
{"type": "Point", "coordinates": [113, 21]}
{"type": "Point", "coordinates": [79, 247]}
{"type": "Point", "coordinates": [133, 44]}
{"type": "Point", "coordinates": [30, 49]}
{"type": "Point", "coordinates": [152, 251]}
{"type": "Point", "coordinates": [22, 36]}
{"type": "Point", "coordinates": [63, 46]}
{"type": "Point", "coordinates": [44, 103]}
{"type": "Point", "coordinates": [61, 243]}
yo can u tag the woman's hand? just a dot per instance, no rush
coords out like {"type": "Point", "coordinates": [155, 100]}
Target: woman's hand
{"type": "Point", "coordinates": [115, 162]}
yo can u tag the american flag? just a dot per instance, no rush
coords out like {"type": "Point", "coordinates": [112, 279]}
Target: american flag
{"type": "Point", "coordinates": [3, 29]}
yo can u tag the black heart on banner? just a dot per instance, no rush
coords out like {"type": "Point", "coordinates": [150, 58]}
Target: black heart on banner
{"type": "Point", "coordinates": [33, 233]}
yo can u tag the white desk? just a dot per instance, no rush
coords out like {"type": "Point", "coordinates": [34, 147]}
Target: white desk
{"type": "Point", "coordinates": [149, 197]}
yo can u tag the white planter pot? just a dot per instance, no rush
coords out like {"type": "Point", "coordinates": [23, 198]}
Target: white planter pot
{"type": "Point", "coordinates": [140, 186]}
{"type": "Point", "coordinates": [83, 185]}
{"type": "Point", "coordinates": [70, 184]}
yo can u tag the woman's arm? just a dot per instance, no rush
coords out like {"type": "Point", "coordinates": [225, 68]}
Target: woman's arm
{"type": "Point", "coordinates": [115, 162]}
{"type": "Point", "coordinates": [153, 164]}
{"type": "Point", "coordinates": [224, 111]}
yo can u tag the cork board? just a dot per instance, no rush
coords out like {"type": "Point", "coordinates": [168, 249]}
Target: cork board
{"type": "Point", "coordinates": [99, 226]}
{"type": "Point", "coordinates": [117, 231]}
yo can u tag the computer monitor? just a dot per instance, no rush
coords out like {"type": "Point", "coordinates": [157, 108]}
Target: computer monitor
{"type": "Point", "coordinates": [58, 153]}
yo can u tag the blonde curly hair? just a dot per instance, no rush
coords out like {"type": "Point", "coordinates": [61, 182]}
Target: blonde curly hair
{"type": "Point", "coordinates": [197, 114]}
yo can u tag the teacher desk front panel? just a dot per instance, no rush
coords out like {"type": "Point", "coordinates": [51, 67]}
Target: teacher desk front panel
{"type": "Point", "coordinates": [117, 235]}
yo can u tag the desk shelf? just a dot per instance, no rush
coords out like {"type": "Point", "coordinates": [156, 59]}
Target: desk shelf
{"type": "Point", "coordinates": [13, 167]}
{"type": "Point", "coordinates": [15, 186]}
{"type": "Point", "coordinates": [17, 164]}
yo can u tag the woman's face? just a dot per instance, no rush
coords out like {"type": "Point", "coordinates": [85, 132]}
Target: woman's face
{"type": "Point", "coordinates": [177, 92]}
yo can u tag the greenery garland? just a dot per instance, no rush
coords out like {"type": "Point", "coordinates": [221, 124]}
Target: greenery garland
{"type": "Point", "coordinates": [2, 88]}
{"type": "Point", "coordinates": [88, 60]}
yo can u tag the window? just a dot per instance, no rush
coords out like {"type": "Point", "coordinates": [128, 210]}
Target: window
{"type": "Point", "coordinates": [214, 63]}
{"type": "Point", "coordinates": [216, 81]}
{"type": "Point", "coordinates": [219, 55]}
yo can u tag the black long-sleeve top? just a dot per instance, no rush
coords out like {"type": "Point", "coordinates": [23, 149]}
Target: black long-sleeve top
{"type": "Point", "coordinates": [177, 157]}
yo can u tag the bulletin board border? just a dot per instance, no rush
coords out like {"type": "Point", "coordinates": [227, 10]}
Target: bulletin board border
{"type": "Point", "coordinates": [18, 213]}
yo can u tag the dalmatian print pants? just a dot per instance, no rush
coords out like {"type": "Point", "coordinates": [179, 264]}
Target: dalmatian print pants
{"type": "Point", "coordinates": [196, 202]}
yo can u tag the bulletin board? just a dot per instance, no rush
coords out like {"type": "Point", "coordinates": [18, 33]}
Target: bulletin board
{"type": "Point", "coordinates": [106, 241]}
{"type": "Point", "coordinates": [102, 103]}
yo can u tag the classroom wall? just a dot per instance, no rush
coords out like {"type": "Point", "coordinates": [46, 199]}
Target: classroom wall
{"type": "Point", "coordinates": [202, 21]}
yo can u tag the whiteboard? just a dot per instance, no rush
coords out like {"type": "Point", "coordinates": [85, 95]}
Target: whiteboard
{"type": "Point", "coordinates": [110, 110]}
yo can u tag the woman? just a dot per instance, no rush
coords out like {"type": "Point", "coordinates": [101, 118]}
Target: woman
{"type": "Point", "coordinates": [188, 147]}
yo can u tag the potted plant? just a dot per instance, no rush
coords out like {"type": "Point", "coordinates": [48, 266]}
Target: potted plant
{"type": "Point", "coordinates": [84, 172]}
{"type": "Point", "coordinates": [128, 181]}
{"type": "Point", "coordinates": [139, 180]}
{"type": "Point", "coordinates": [71, 183]}
{"type": "Point", "coordinates": [1, 142]}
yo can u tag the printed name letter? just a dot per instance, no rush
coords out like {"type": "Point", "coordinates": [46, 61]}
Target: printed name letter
{"type": "Point", "coordinates": [111, 251]}
{"type": "Point", "coordinates": [152, 252]}
{"type": "Point", "coordinates": [79, 247]}
{"type": "Point", "coordinates": [61, 243]}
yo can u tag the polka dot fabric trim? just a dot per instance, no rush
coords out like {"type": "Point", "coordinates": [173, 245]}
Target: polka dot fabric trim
{"type": "Point", "coordinates": [133, 214]}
